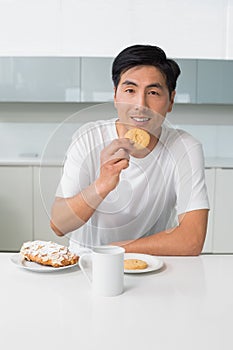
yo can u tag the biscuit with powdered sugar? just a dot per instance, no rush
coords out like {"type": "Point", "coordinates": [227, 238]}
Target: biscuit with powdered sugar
{"type": "Point", "coordinates": [48, 253]}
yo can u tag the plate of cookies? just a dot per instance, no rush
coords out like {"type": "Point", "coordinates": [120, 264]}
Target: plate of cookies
{"type": "Point", "coordinates": [44, 256]}
{"type": "Point", "coordinates": [141, 263]}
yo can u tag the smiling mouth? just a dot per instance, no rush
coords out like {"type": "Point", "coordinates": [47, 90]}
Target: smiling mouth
{"type": "Point", "coordinates": [140, 119]}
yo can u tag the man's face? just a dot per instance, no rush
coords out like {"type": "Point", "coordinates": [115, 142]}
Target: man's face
{"type": "Point", "coordinates": [142, 98]}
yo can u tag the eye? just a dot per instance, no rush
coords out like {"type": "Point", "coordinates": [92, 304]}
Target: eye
{"type": "Point", "coordinates": [153, 92]}
{"type": "Point", "coordinates": [129, 90]}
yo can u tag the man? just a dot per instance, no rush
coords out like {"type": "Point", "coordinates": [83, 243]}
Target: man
{"type": "Point", "coordinates": [151, 200]}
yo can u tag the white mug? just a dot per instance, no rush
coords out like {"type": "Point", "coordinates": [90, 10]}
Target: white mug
{"type": "Point", "coordinates": [107, 269]}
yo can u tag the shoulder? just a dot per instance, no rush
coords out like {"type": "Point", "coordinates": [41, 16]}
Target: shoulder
{"type": "Point", "coordinates": [182, 146]}
{"type": "Point", "coordinates": [93, 129]}
{"type": "Point", "coordinates": [174, 138]}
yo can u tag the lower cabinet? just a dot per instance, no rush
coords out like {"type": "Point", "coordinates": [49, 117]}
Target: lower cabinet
{"type": "Point", "coordinates": [223, 216]}
{"type": "Point", "coordinates": [26, 197]}
{"type": "Point", "coordinates": [210, 183]}
{"type": "Point", "coordinates": [45, 182]}
{"type": "Point", "coordinates": [16, 205]}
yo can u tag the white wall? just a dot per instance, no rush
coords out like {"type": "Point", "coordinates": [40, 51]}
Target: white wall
{"type": "Point", "coordinates": [183, 28]}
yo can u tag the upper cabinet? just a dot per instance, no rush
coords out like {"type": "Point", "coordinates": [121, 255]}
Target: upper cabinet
{"type": "Point", "coordinates": [187, 81]}
{"type": "Point", "coordinates": [89, 79]}
{"type": "Point", "coordinates": [215, 81]}
{"type": "Point", "coordinates": [40, 79]}
{"type": "Point", "coordinates": [96, 79]}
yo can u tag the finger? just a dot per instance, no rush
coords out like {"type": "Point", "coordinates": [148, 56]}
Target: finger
{"type": "Point", "coordinates": [121, 164]}
{"type": "Point", "coordinates": [121, 154]}
{"type": "Point", "coordinates": [116, 157]}
{"type": "Point", "coordinates": [122, 143]}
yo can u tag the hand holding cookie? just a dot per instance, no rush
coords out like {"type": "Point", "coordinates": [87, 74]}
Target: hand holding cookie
{"type": "Point", "coordinates": [114, 158]}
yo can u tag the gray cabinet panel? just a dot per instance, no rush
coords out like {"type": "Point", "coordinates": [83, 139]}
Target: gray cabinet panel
{"type": "Point", "coordinates": [210, 183]}
{"type": "Point", "coordinates": [96, 79]}
{"type": "Point", "coordinates": [88, 79]}
{"type": "Point", "coordinates": [187, 81]}
{"type": "Point", "coordinates": [215, 81]}
{"type": "Point", "coordinates": [45, 183]}
{"type": "Point", "coordinates": [35, 79]}
{"type": "Point", "coordinates": [15, 207]}
{"type": "Point", "coordinates": [223, 224]}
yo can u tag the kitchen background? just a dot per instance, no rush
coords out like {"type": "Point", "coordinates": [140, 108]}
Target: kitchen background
{"type": "Point", "coordinates": [55, 62]}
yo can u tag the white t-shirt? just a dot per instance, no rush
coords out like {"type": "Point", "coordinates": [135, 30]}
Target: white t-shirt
{"type": "Point", "coordinates": [152, 191]}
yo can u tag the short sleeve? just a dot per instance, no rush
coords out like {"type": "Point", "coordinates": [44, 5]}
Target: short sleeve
{"type": "Point", "coordinates": [190, 184]}
{"type": "Point", "coordinates": [75, 173]}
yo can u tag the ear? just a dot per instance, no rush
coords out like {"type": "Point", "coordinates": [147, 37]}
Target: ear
{"type": "Point", "coordinates": [172, 100]}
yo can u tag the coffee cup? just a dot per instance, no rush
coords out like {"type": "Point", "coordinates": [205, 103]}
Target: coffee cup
{"type": "Point", "coordinates": [104, 269]}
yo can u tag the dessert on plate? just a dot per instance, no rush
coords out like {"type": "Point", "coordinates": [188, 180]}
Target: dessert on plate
{"type": "Point", "coordinates": [48, 253]}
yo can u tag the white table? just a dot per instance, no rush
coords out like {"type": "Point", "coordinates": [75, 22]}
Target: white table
{"type": "Point", "coordinates": [187, 305]}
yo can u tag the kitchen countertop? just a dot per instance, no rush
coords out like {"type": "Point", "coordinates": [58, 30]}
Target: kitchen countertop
{"type": "Point", "coordinates": [187, 305]}
{"type": "Point", "coordinates": [31, 161]}
{"type": "Point", "coordinates": [211, 162]}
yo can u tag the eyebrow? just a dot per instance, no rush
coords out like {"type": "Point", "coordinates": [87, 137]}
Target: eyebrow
{"type": "Point", "coordinates": [156, 85]}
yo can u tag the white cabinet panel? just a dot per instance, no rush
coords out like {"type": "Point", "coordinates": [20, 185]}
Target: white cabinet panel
{"type": "Point", "coordinates": [197, 28]}
{"type": "Point", "coordinates": [96, 28]}
{"type": "Point", "coordinates": [210, 183]}
{"type": "Point", "coordinates": [183, 28]}
{"type": "Point", "coordinates": [30, 27]}
{"type": "Point", "coordinates": [223, 218]}
{"type": "Point", "coordinates": [229, 29]}
{"type": "Point", "coordinates": [46, 180]}
{"type": "Point", "coordinates": [15, 207]}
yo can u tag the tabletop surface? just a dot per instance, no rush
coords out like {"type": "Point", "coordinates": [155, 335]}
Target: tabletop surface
{"type": "Point", "coordinates": [188, 304]}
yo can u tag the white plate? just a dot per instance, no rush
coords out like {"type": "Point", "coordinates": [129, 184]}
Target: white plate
{"type": "Point", "coordinates": [153, 262]}
{"type": "Point", "coordinates": [32, 266]}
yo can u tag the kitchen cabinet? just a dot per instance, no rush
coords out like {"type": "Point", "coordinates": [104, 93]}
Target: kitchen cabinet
{"type": "Point", "coordinates": [40, 79]}
{"type": "Point", "coordinates": [45, 183]}
{"type": "Point", "coordinates": [89, 79]}
{"type": "Point", "coordinates": [26, 197]}
{"type": "Point", "coordinates": [96, 79]}
{"type": "Point", "coordinates": [15, 207]}
{"type": "Point", "coordinates": [210, 183]}
{"type": "Point", "coordinates": [223, 223]}
{"type": "Point", "coordinates": [187, 82]}
{"type": "Point", "coordinates": [215, 81]}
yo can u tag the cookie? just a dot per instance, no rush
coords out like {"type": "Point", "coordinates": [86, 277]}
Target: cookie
{"type": "Point", "coordinates": [48, 253]}
{"type": "Point", "coordinates": [135, 264]}
{"type": "Point", "coordinates": [139, 136]}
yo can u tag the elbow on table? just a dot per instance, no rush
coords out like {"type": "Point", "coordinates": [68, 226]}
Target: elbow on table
{"type": "Point", "coordinates": [55, 229]}
{"type": "Point", "coordinates": [194, 248]}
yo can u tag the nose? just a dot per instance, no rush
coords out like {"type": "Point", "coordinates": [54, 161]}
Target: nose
{"type": "Point", "coordinates": [140, 101]}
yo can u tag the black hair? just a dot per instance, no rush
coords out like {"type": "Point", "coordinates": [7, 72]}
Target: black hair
{"type": "Point", "coordinates": [148, 55]}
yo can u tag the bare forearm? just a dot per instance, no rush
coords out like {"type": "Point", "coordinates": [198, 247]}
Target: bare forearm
{"type": "Point", "coordinates": [68, 214]}
{"type": "Point", "coordinates": [162, 243]}
{"type": "Point", "coordinates": [185, 239]}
